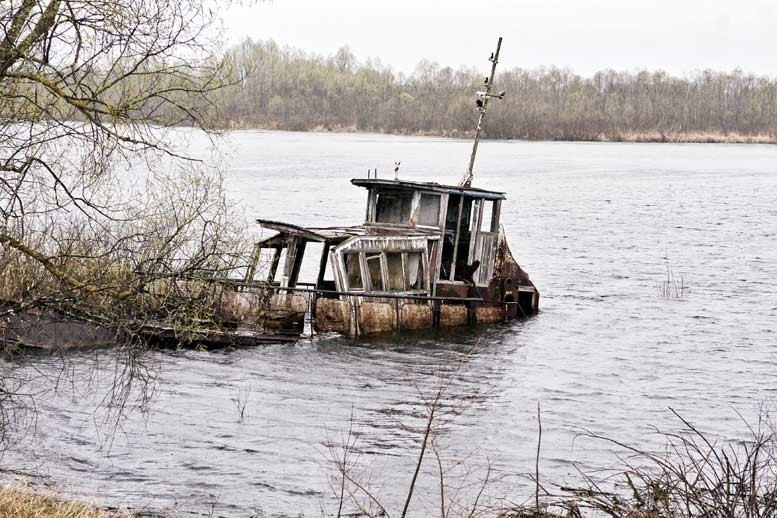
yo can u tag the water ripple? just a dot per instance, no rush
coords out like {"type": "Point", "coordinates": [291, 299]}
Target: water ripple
{"type": "Point", "coordinates": [596, 225]}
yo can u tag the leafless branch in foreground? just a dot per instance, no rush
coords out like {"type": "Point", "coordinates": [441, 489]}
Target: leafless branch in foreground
{"type": "Point", "coordinates": [104, 219]}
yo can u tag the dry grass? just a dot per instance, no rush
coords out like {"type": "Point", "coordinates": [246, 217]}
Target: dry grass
{"type": "Point", "coordinates": [23, 501]}
{"type": "Point", "coordinates": [689, 137]}
{"type": "Point", "coordinates": [695, 475]}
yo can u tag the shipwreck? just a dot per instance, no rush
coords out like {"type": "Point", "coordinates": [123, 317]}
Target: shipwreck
{"type": "Point", "coordinates": [426, 256]}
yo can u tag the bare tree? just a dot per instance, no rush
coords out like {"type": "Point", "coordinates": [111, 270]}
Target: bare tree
{"type": "Point", "coordinates": [102, 217]}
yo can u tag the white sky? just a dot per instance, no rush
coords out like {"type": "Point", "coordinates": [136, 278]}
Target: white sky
{"type": "Point", "coordinates": [678, 36]}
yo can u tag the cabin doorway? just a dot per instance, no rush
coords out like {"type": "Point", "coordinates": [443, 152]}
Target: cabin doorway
{"type": "Point", "coordinates": [457, 236]}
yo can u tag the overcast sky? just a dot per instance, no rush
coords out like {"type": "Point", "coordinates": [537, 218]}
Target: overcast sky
{"type": "Point", "coordinates": [678, 36]}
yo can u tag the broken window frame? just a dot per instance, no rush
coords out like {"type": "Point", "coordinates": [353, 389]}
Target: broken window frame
{"type": "Point", "coordinates": [484, 239]}
{"type": "Point", "coordinates": [390, 274]}
{"type": "Point", "coordinates": [369, 258]}
{"type": "Point", "coordinates": [420, 274]}
{"type": "Point", "coordinates": [464, 217]}
{"type": "Point", "coordinates": [369, 286]}
{"type": "Point", "coordinates": [400, 195]}
{"type": "Point", "coordinates": [488, 214]}
{"type": "Point", "coordinates": [420, 197]}
{"type": "Point", "coordinates": [361, 269]}
{"type": "Point", "coordinates": [466, 213]}
{"type": "Point", "coordinates": [413, 217]}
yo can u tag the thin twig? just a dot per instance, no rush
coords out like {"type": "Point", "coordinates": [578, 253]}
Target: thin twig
{"type": "Point", "coordinates": [537, 460]}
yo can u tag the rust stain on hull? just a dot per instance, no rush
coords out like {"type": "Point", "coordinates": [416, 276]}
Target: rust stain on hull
{"type": "Point", "coordinates": [377, 317]}
{"type": "Point", "coordinates": [416, 316]}
{"type": "Point", "coordinates": [490, 314]}
{"type": "Point", "coordinates": [333, 315]}
{"type": "Point", "coordinates": [453, 315]}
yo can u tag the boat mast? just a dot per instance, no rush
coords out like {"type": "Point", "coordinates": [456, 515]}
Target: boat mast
{"type": "Point", "coordinates": [481, 103]}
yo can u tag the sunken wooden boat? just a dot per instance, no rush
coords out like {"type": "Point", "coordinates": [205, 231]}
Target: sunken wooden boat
{"type": "Point", "coordinates": [427, 256]}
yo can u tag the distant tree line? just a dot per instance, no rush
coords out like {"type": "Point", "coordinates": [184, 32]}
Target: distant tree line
{"type": "Point", "coordinates": [286, 88]}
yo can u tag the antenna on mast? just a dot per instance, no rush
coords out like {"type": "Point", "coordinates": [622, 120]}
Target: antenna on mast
{"type": "Point", "coordinates": [481, 102]}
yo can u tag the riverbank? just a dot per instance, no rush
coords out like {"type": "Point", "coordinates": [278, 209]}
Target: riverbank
{"type": "Point", "coordinates": [291, 89]}
{"type": "Point", "coordinates": [23, 500]}
{"type": "Point", "coordinates": [689, 138]}
{"type": "Point", "coordinates": [652, 137]}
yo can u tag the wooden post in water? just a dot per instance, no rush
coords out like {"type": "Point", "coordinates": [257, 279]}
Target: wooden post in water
{"type": "Point", "coordinates": [482, 102]}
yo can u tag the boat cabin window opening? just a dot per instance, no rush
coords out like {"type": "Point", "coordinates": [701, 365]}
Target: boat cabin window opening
{"type": "Point", "coordinates": [326, 278]}
{"type": "Point", "coordinates": [484, 226]}
{"type": "Point", "coordinates": [466, 214]}
{"type": "Point", "coordinates": [353, 271]}
{"type": "Point", "coordinates": [449, 237]}
{"type": "Point", "coordinates": [325, 273]}
{"type": "Point", "coordinates": [386, 271]}
{"type": "Point", "coordinates": [462, 247]}
{"type": "Point", "coordinates": [277, 265]}
{"type": "Point", "coordinates": [473, 221]}
{"type": "Point", "coordinates": [429, 210]}
{"type": "Point", "coordinates": [311, 263]}
{"type": "Point", "coordinates": [246, 272]}
{"type": "Point", "coordinates": [457, 235]}
{"type": "Point", "coordinates": [375, 269]}
{"type": "Point", "coordinates": [393, 207]}
{"type": "Point", "coordinates": [488, 219]}
{"type": "Point", "coordinates": [396, 272]}
{"type": "Point", "coordinates": [295, 253]}
{"type": "Point", "coordinates": [432, 249]}
{"type": "Point", "coordinates": [415, 270]}
{"type": "Point", "coordinates": [258, 268]}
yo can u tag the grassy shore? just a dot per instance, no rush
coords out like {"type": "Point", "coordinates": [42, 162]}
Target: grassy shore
{"type": "Point", "coordinates": [691, 138]}
{"type": "Point", "coordinates": [23, 501]}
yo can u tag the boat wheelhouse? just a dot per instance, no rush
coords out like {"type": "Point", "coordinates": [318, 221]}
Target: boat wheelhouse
{"type": "Point", "coordinates": [426, 256]}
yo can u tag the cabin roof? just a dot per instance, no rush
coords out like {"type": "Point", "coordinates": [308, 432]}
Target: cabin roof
{"type": "Point", "coordinates": [337, 234]}
{"type": "Point", "coordinates": [429, 186]}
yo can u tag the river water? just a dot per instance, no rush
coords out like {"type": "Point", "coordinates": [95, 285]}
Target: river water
{"type": "Point", "coordinates": [598, 226]}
